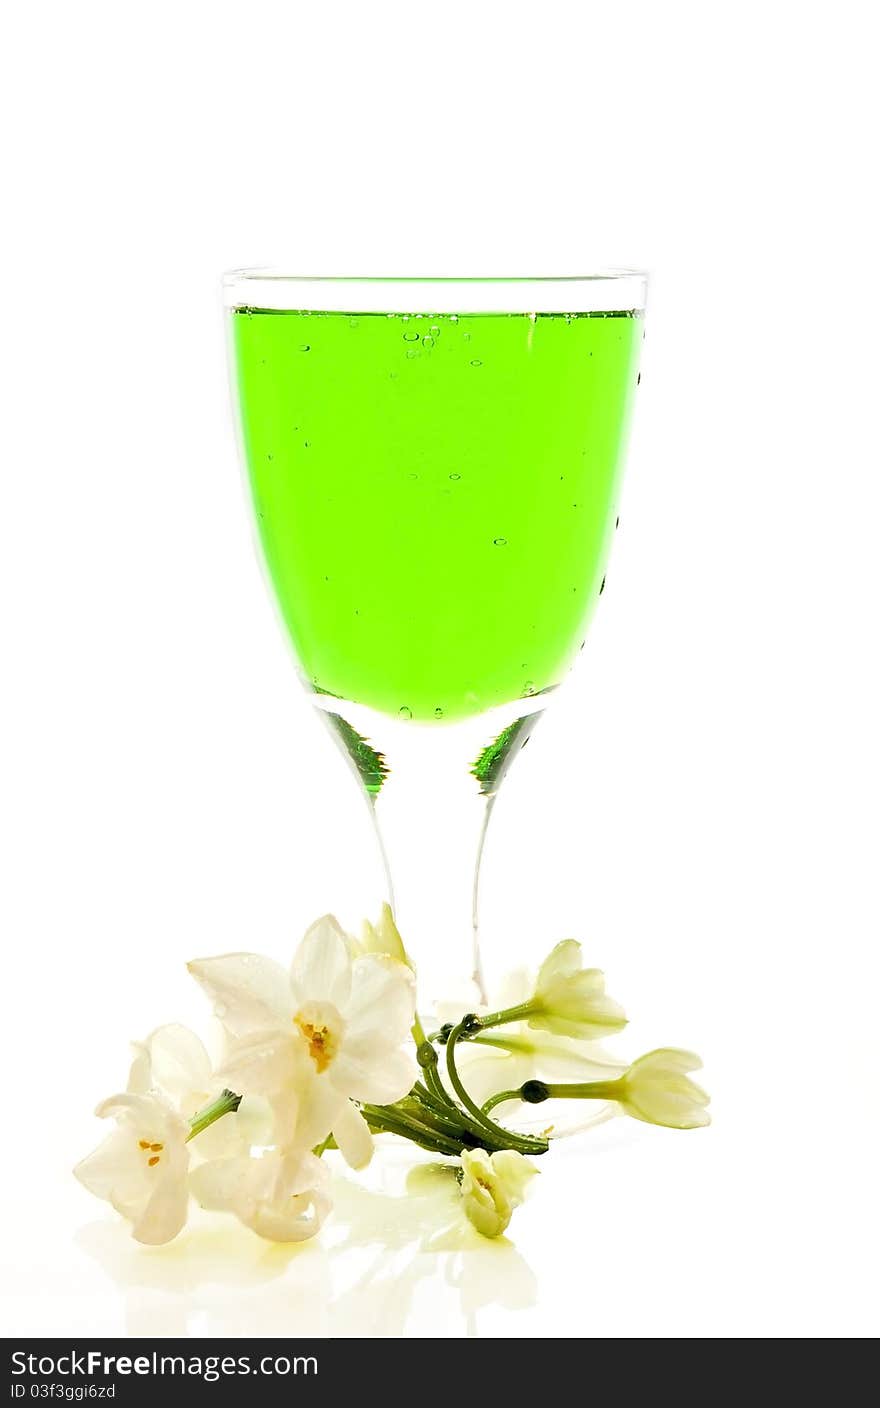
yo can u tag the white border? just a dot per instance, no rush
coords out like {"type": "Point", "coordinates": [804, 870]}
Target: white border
{"type": "Point", "coordinates": [607, 291]}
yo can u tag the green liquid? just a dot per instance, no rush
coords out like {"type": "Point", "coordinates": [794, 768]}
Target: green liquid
{"type": "Point", "coordinates": [435, 495]}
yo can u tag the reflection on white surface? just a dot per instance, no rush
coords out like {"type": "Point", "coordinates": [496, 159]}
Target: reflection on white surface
{"type": "Point", "coordinates": [397, 1237]}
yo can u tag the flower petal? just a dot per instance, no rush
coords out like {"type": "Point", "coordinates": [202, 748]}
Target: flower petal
{"type": "Point", "coordinates": [380, 1078]}
{"type": "Point", "coordinates": [382, 1003]}
{"type": "Point", "coordinates": [321, 969]}
{"type": "Point", "coordinates": [251, 1125]}
{"type": "Point", "coordinates": [114, 1173]}
{"type": "Point", "coordinates": [353, 1137]}
{"type": "Point", "coordinates": [179, 1063]}
{"type": "Point", "coordinates": [281, 1197]}
{"type": "Point", "coordinates": [164, 1214]}
{"type": "Point", "coordinates": [250, 993]}
{"type": "Point", "coordinates": [319, 1105]}
{"type": "Point", "coordinates": [384, 937]}
{"type": "Point", "coordinates": [220, 1185]}
{"type": "Point", "coordinates": [266, 1064]}
{"type": "Point", "coordinates": [561, 963]}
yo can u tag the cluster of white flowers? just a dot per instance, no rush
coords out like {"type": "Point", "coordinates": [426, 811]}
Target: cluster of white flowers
{"type": "Point", "coordinates": [301, 1048]}
{"type": "Point", "coordinates": [321, 1057]}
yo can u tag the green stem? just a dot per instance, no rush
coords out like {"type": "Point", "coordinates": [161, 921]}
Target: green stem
{"type": "Point", "coordinates": [505, 1138]}
{"type": "Point", "coordinates": [508, 1014]}
{"type": "Point", "coordinates": [500, 1098]}
{"type": "Point", "coordinates": [414, 1109]}
{"type": "Point", "coordinates": [591, 1090]}
{"type": "Point", "coordinates": [390, 1121]}
{"type": "Point", "coordinates": [225, 1104]}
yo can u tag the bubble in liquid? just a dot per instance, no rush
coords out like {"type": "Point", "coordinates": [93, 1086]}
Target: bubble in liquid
{"type": "Point", "coordinates": [476, 362]}
{"type": "Point", "coordinates": [412, 475]}
{"type": "Point", "coordinates": [427, 341]}
{"type": "Point", "coordinates": [602, 587]}
{"type": "Point", "coordinates": [452, 476]}
{"type": "Point", "coordinates": [411, 336]}
{"type": "Point", "coordinates": [410, 354]}
{"type": "Point", "coordinates": [404, 712]}
{"type": "Point", "coordinates": [528, 688]}
{"type": "Point", "coordinates": [305, 347]}
{"type": "Point", "coordinates": [438, 713]}
{"type": "Point", "coordinates": [306, 444]}
{"type": "Point", "coordinates": [352, 322]}
{"type": "Point", "coordinates": [453, 317]}
{"type": "Point", "coordinates": [270, 457]}
{"type": "Point", "coordinates": [500, 542]}
{"type": "Point", "coordinates": [639, 379]}
{"type": "Point", "coordinates": [434, 330]}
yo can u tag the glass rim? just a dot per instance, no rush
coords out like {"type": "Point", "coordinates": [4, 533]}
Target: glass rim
{"type": "Point", "coordinates": [601, 291]}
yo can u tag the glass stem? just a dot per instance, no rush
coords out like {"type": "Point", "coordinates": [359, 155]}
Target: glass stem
{"type": "Point", "coordinates": [431, 821]}
{"type": "Point", "coordinates": [432, 787]}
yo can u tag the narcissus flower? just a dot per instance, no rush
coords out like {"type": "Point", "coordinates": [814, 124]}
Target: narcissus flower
{"type": "Point", "coordinates": [283, 1197]}
{"type": "Point", "coordinates": [492, 1186]}
{"type": "Point", "coordinates": [657, 1089]}
{"type": "Point", "coordinates": [311, 1041]}
{"type": "Point", "coordinates": [570, 1000]}
{"type": "Point", "coordinates": [383, 937]}
{"type": "Point", "coordinates": [142, 1167]}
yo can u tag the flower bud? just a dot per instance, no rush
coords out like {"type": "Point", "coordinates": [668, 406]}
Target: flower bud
{"type": "Point", "coordinates": [570, 1000]}
{"type": "Point", "coordinates": [492, 1185]}
{"type": "Point", "coordinates": [658, 1090]}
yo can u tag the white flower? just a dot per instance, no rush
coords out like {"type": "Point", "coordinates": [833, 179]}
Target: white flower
{"type": "Point", "coordinates": [570, 999]}
{"type": "Point", "coordinates": [330, 1032]}
{"type": "Point", "coordinates": [492, 1185]}
{"type": "Point", "coordinates": [505, 1057]}
{"type": "Point", "coordinates": [384, 937]}
{"type": "Point", "coordinates": [141, 1168]}
{"type": "Point", "coordinates": [282, 1196]}
{"type": "Point", "coordinates": [658, 1090]}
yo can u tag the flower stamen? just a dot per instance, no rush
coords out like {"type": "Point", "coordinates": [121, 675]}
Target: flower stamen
{"type": "Point", "coordinates": [321, 1032]}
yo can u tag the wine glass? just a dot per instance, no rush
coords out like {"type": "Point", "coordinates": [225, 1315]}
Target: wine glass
{"type": "Point", "coordinates": [434, 467]}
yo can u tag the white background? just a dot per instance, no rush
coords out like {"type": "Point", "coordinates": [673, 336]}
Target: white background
{"type": "Point", "coordinates": [702, 807]}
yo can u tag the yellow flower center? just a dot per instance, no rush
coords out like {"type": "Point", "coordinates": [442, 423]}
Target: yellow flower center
{"type": "Point", "coordinates": [321, 1025]}
{"type": "Point", "coordinates": [154, 1151]}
